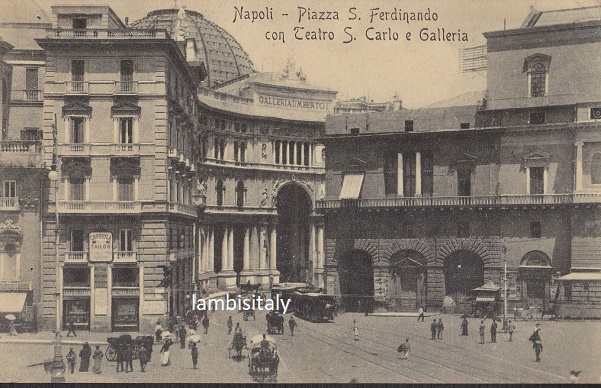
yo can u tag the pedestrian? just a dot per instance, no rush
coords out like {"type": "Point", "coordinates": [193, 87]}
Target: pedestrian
{"type": "Point", "coordinates": [464, 326]}
{"type": "Point", "coordinates": [129, 357]}
{"type": "Point", "coordinates": [194, 324]}
{"type": "Point", "coordinates": [165, 350]}
{"type": "Point", "coordinates": [84, 355]}
{"type": "Point", "coordinates": [482, 330]}
{"type": "Point", "coordinates": [194, 353]}
{"type": "Point", "coordinates": [292, 325]}
{"type": "Point", "coordinates": [238, 329]}
{"type": "Point", "coordinates": [493, 331]}
{"type": "Point", "coordinates": [71, 358]}
{"type": "Point", "coordinates": [71, 327]}
{"type": "Point", "coordinates": [510, 329]}
{"type": "Point", "coordinates": [97, 356]}
{"type": "Point", "coordinates": [12, 329]}
{"type": "Point", "coordinates": [229, 325]}
{"type": "Point", "coordinates": [182, 336]}
{"type": "Point", "coordinates": [405, 348]}
{"type": "Point", "coordinates": [148, 346]}
{"type": "Point", "coordinates": [440, 328]}
{"type": "Point", "coordinates": [205, 323]}
{"type": "Point", "coordinates": [355, 330]}
{"type": "Point", "coordinates": [537, 343]}
{"type": "Point", "coordinates": [433, 328]}
{"type": "Point", "coordinates": [158, 329]}
{"type": "Point", "coordinates": [421, 313]}
{"type": "Point", "coordinates": [143, 356]}
{"type": "Point", "coordinates": [120, 358]}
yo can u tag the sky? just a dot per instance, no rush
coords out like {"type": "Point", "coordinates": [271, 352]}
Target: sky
{"type": "Point", "coordinates": [421, 72]}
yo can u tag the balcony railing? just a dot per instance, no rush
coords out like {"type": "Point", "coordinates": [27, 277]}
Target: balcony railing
{"type": "Point", "coordinates": [75, 149]}
{"type": "Point", "coordinates": [126, 148]}
{"type": "Point", "coordinates": [106, 34]}
{"type": "Point", "coordinates": [126, 87]}
{"type": "Point", "coordinates": [20, 146]}
{"type": "Point", "coordinates": [498, 200]}
{"type": "Point", "coordinates": [271, 166]}
{"type": "Point", "coordinates": [9, 203]}
{"type": "Point", "coordinates": [76, 257]}
{"type": "Point", "coordinates": [124, 257]}
{"type": "Point", "coordinates": [77, 87]}
{"type": "Point", "coordinates": [27, 95]}
{"type": "Point", "coordinates": [181, 208]}
{"type": "Point", "coordinates": [99, 207]}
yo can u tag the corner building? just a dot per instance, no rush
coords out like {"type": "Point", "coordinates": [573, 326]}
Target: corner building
{"type": "Point", "coordinates": [430, 203]}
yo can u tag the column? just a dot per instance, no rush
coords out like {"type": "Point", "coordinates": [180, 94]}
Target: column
{"type": "Point", "coordinates": [527, 180]}
{"type": "Point", "coordinates": [399, 175]}
{"type": "Point", "coordinates": [230, 253]}
{"type": "Point", "coordinates": [246, 254]}
{"type": "Point", "coordinates": [320, 256]}
{"type": "Point", "coordinates": [578, 177]}
{"type": "Point", "coordinates": [281, 152]}
{"type": "Point", "coordinates": [225, 250]}
{"type": "Point", "coordinates": [273, 145]}
{"type": "Point", "coordinates": [311, 146]}
{"type": "Point", "coordinates": [272, 249]}
{"type": "Point", "coordinates": [418, 174]}
{"type": "Point", "coordinates": [302, 148]}
{"type": "Point", "coordinates": [262, 250]}
{"type": "Point", "coordinates": [211, 250]}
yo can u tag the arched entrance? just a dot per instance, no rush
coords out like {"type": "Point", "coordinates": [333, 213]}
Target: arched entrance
{"type": "Point", "coordinates": [535, 274]}
{"type": "Point", "coordinates": [356, 275]}
{"type": "Point", "coordinates": [463, 271]}
{"type": "Point", "coordinates": [294, 207]}
{"type": "Point", "coordinates": [407, 290]}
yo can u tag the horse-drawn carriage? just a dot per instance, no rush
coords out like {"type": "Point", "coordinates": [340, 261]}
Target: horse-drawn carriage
{"type": "Point", "coordinates": [238, 344]}
{"type": "Point", "coordinates": [116, 344]}
{"type": "Point", "coordinates": [263, 358]}
{"type": "Point", "coordinates": [275, 323]}
{"type": "Point", "coordinates": [246, 314]}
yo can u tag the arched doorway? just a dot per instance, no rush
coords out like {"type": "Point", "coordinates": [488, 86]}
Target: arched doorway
{"type": "Point", "coordinates": [463, 271]}
{"type": "Point", "coordinates": [356, 275]}
{"type": "Point", "coordinates": [294, 207]}
{"type": "Point", "coordinates": [535, 274]}
{"type": "Point", "coordinates": [407, 290]}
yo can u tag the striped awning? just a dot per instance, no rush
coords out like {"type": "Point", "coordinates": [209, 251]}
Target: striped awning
{"type": "Point", "coordinates": [12, 302]}
{"type": "Point", "coordinates": [351, 186]}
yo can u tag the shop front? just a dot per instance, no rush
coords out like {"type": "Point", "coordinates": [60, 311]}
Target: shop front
{"type": "Point", "coordinates": [125, 299]}
{"type": "Point", "coordinates": [76, 297]}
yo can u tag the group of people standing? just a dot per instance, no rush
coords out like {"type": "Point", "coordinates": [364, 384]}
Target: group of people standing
{"type": "Point", "coordinates": [84, 355]}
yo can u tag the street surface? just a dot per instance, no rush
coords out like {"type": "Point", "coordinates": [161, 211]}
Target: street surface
{"type": "Point", "coordinates": [327, 352]}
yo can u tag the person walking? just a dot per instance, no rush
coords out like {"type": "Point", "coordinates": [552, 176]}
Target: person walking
{"type": "Point", "coordinates": [355, 330]}
{"type": "Point", "coordinates": [120, 358]}
{"type": "Point", "coordinates": [143, 356]}
{"type": "Point", "coordinates": [158, 329]}
{"type": "Point", "coordinates": [421, 314]}
{"type": "Point", "coordinates": [510, 329]}
{"type": "Point", "coordinates": [482, 330]}
{"type": "Point", "coordinates": [194, 353]}
{"type": "Point", "coordinates": [205, 323]}
{"type": "Point", "coordinates": [238, 329]}
{"type": "Point", "coordinates": [229, 325]}
{"type": "Point", "coordinates": [464, 326]}
{"type": "Point", "coordinates": [433, 328]}
{"type": "Point", "coordinates": [537, 343]}
{"type": "Point", "coordinates": [84, 356]}
{"type": "Point", "coordinates": [292, 325]}
{"type": "Point", "coordinates": [405, 348]}
{"type": "Point", "coordinates": [71, 327]}
{"type": "Point", "coordinates": [129, 358]}
{"type": "Point", "coordinates": [165, 361]}
{"type": "Point", "coordinates": [493, 331]}
{"type": "Point", "coordinates": [71, 358]}
{"type": "Point", "coordinates": [182, 336]}
{"type": "Point", "coordinates": [439, 328]}
{"type": "Point", "coordinates": [97, 356]}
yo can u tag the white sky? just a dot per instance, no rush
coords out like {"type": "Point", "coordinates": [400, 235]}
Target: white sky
{"type": "Point", "coordinates": [421, 72]}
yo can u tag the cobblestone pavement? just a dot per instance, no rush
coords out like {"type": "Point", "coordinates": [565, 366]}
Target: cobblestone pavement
{"type": "Point", "coordinates": [327, 352]}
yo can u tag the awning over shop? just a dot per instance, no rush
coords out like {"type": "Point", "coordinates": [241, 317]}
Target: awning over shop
{"type": "Point", "coordinates": [581, 276]}
{"type": "Point", "coordinates": [489, 287]}
{"type": "Point", "coordinates": [12, 302]}
{"type": "Point", "coordinates": [485, 299]}
{"type": "Point", "coordinates": [351, 186]}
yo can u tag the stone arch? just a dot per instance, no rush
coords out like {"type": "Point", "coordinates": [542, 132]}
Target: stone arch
{"type": "Point", "coordinates": [370, 248]}
{"type": "Point", "coordinates": [535, 258]}
{"type": "Point", "coordinates": [475, 245]}
{"type": "Point", "coordinates": [413, 245]}
{"type": "Point", "coordinates": [277, 186]}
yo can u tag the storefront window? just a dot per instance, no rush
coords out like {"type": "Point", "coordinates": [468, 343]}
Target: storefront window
{"type": "Point", "coordinates": [76, 277]}
{"type": "Point", "coordinates": [125, 277]}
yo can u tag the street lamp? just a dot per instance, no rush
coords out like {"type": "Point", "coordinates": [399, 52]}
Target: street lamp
{"type": "Point", "coordinates": [58, 365]}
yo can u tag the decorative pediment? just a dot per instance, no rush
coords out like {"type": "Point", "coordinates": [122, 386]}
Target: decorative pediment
{"type": "Point", "coordinates": [536, 159]}
{"type": "Point", "coordinates": [536, 58]}
{"type": "Point", "coordinates": [465, 161]}
{"type": "Point", "coordinates": [125, 167]}
{"type": "Point", "coordinates": [76, 167]}
{"type": "Point", "coordinates": [8, 228]}
{"type": "Point", "coordinates": [77, 109]}
{"type": "Point", "coordinates": [125, 108]}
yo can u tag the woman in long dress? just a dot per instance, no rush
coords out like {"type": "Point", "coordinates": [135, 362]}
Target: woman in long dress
{"type": "Point", "coordinates": [97, 356]}
{"type": "Point", "coordinates": [165, 352]}
{"type": "Point", "coordinates": [84, 355]}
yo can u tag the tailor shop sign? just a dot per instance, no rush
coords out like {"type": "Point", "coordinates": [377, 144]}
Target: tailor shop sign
{"type": "Point", "coordinates": [101, 247]}
{"type": "Point", "coordinates": [293, 103]}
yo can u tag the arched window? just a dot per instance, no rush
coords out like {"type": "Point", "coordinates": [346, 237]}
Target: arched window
{"type": "Point", "coordinates": [538, 78]}
{"type": "Point", "coordinates": [596, 168]}
{"type": "Point", "coordinates": [216, 149]}
{"type": "Point", "coordinates": [242, 152]}
{"type": "Point", "coordinates": [240, 194]}
{"type": "Point", "coordinates": [236, 151]}
{"type": "Point", "coordinates": [222, 149]}
{"type": "Point", "coordinates": [219, 189]}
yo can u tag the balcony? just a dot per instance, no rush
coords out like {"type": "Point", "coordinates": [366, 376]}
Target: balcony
{"type": "Point", "coordinates": [21, 146]}
{"type": "Point", "coordinates": [475, 201]}
{"type": "Point", "coordinates": [9, 203]}
{"type": "Point", "coordinates": [103, 207]}
{"type": "Point", "coordinates": [126, 149]}
{"type": "Point", "coordinates": [124, 257]}
{"type": "Point", "coordinates": [77, 87]}
{"type": "Point", "coordinates": [315, 169]}
{"type": "Point", "coordinates": [33, 95]}
{"type": "Point", "coordinates": [188, 210]}
{"type": "Point", "coordinates": [70, 149]}
{"type": "Point", "coordinates": [76, 257]}
{"type": "Point", "coordinates": [126, 88]}
{"type": "Point", "coordinates": [106, 34]}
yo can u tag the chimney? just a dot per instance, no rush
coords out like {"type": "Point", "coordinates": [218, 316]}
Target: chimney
{"type": "Point", "coordinates": [397, 103]}
{"type": "Point", "coordinates": [126, 21]}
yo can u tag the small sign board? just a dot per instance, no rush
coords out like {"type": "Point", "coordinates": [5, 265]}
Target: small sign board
{"type": "Point", "coordinates": [101, 296]}
{"type": "Point", "coordinates": [154, 307]}
{"type": "Point", "coordinates": [101, 247]}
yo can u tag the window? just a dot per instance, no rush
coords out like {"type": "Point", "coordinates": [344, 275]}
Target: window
{"type": "Point", "coordinates": [464, 182]}
{"type": "Point", "coordinates": [219, 190]}
{"type": "Point", "coordinates": [126, 130]}
{"type": "Point", "coordinates": [76, 277]}
{"type": "Point", "coordinates": [236, 151]}
{"type": "Point", "coordinates": [125, 240]}
{"type": "Point", "coordinates": [77, 240]}
{"type": "Point", "coordinates": [390, 173]}
{"type": "Point", "coordinates": [127, 75]}
{"type": "Point", "coordinates": [243, 128]}
{"type": "Point", "coordinates": [463, 229]}
{"type": "Point", "coordinates": [125, 277]}
{"type": "Point", "coordinates": [242, 152]}
{"type": "Point", "coordinates": [596, 169]}
{"type": "Point", "coordinates": [537, 117]}
{"type": "Point", "coordinates": [538, 78]}
{"type": "Point", "coordinates": [408, 125]}
{"type": "Point", "coordinates": [125, 189]}
{"type": "Point", "coordinates": [10, 189]}
{"type": "Point", "coordinates": [276, 146]}
{"type": "Point", "coordinates": [31, 134]}
{"type": "Point", "coordinates": [427, 173]}
{"type": "Point", "coordinates": [409, 174]}
{"type": "Point", "coordinates": [31, 84]}
{"type": "Point", "coordinates": [537, 175]}
{"type": "Point", "coordinates": [240, 194]}
{"type": "Point", "coordinates": [237, 127]}
{"type": "Point", "coordinates": [79, 23]}
{"type": "Point", "coordinates": [464, 125]}
{"type": "Point", "coordinates": [77, 189]}
{"type": "Point", "coordinates": [77, 75]}
{"type": "Point", "coordinates": [535, 229]}
{"type": "Point", "coordinates": [77, 130]}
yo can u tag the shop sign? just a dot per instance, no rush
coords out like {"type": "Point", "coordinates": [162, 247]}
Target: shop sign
{"type": "Point", "coordinates": [154, 307]}
{"type": "Point", "coordinates": [77, 292]}
{"type": "Point", "coordinates": [101, 247]}
{"type": "Point", "coordinates": [126, 292]}
{"type": "Point", "coordinates": [101, 296]}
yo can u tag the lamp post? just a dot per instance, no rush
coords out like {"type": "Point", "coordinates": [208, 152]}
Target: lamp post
{"type": "Point", "coordinates": [505, 325]}
{"type": "Point", "coordinates": [58, 366]}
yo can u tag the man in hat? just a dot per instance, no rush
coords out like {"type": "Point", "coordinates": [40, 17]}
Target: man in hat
{"type": "Point", "coordinates": [229, 325]}
{"type": "Point", "coordinates": [433, 328]}
{"type": "Point", "coordinates": [493, 331]}
{"type": "Point", "coordinates": [71, 358]}
{"type": "Point", "coordinates": [482, 330]}
{"type": "Point", "coordinates": [292, 324]}
{"type": "Point", "coordinates": [194, 352]}
{"type": "Point", "coordinates": [537, 344]}
{"type": "Point", "coordinates": [158, 329]}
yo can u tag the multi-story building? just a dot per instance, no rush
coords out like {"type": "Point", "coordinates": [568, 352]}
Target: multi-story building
{"type": "Point", "coordinates": [431, 203]}
{"type": "Point", "coordinates": [362, 105]}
